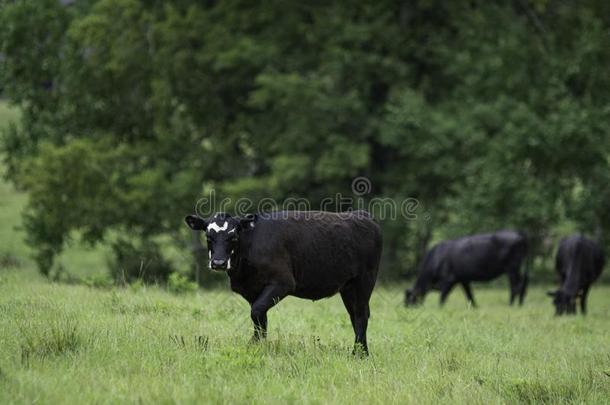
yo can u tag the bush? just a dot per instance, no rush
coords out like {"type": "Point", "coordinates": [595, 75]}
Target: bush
{"type": "Point", "coordinates": [9, 260]}
{"type": "Point", "coordinates": [179, 284]}
{"type": "Point", "coordinates": [138, 260]}
{"type": "Point", "coordinates": [99, 281]}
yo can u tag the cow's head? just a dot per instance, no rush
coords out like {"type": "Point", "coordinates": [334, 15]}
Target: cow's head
{"type": "Point", "coordinates": [564, 303]}
{"type": "Point", "coordinates": [222, 232]}
{"type": "Point", "coordinates": [413, 297]}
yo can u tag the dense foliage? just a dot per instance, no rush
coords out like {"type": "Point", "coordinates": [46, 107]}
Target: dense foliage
{"type": "Point", "coordinates": [490, 113]}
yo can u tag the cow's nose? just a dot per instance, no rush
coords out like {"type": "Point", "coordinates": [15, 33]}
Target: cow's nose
{"type": "Point", "coordinates": [218, 264]}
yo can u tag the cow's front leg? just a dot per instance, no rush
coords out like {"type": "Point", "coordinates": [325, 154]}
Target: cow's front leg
{"type": "Point", "coordinates": [468, 293]}
{"type": "Point", "coordinates": [271, 295]}
{"type": "Point", "coordinates": [583, 300]}
{"type": "Point", "coordinates": [446, 287]}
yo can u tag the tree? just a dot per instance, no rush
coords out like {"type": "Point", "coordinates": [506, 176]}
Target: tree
{"type": "Point", "coordinates": [490, 114]}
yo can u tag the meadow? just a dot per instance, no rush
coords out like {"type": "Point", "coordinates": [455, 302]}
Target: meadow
{"type": "Point", "coordinates": [75, 344]}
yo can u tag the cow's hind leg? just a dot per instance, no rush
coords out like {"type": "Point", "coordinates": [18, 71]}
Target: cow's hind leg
{"type": "Point", "coordinates": [523, 288]}
{"type": "Point", "coordinates": [356, 297]}
{"type": "Point", "coordinates": [515, 284]}
{"type": "Point", "coordinates": [270, 296]}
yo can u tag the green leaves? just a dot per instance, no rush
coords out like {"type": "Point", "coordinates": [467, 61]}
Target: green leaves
{"type": "Point", "coordinates": [490, 114]}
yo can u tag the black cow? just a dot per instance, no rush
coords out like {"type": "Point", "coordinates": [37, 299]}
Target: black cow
{"type": "Point", "coordinates": [472, 258]}
{"type": "Point", "coordinates": [307, 254]}
{"type": "Point", "coordinates": [579, 263]}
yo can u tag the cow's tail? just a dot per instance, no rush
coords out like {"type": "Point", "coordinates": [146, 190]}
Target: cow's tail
{"type": "Point", "coordinates": [529, 257]}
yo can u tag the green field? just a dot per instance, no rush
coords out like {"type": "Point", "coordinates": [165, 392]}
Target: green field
{"type": "Point", "coordinates": [72, 344]}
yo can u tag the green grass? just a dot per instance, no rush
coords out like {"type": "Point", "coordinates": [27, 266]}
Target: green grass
{"type": "Point", "coordinates": [72, 344]}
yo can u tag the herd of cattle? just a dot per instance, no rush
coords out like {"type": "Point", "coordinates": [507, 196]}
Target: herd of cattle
{"type": "Point", "coordinates": [315, 255]}
{"type": "Point", "coordinates": [484, 257]}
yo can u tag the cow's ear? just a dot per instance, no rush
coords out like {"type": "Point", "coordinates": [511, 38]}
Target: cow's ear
{"type": "Point", "coordinates": [248, 221]}
{"type": "Point", "coordinates": [195, 223]}
{"type": "Point", "coordinates": [551, 293]}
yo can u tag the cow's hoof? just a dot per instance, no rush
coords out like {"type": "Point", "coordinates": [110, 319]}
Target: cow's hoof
{"type": "Point", "coordinates": [360, 351]}
{"type": "Point", "coordinates": [255, 340]}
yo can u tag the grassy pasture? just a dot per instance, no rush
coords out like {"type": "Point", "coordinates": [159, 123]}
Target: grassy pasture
{"type": "Point", "coordinates": [73, 344]}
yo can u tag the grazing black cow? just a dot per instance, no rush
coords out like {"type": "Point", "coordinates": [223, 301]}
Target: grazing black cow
{"type": "Point", "coordinates": [307, 254]}
{"type": "Point", "coordinates": [472, 258]}
{"type": "Point", "coordinates": [579, 263]}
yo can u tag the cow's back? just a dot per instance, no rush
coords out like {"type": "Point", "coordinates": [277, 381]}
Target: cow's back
{"type": "Point", "coordinates": [579, 262]}
{"type": "Point", "coordinates": [485, 256]}
{"type": "Point", "coordinates": [432, 266]}
{"type": "Point", "coordinates": [323, 250]}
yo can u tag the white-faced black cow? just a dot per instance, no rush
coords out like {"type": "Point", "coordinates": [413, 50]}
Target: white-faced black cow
{"type": "Point", "coordinates": [472, 258]}
{"type": "Point", "coordinates": [579, 263]}
{"type": "Point", "coordinates": [307, 254]}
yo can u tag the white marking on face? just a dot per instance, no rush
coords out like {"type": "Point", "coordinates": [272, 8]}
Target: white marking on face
{"type": "Point", "coordinates": [214, 226]}
{"type": "Point", "coordinates": [232, 230]}
{"type": "Point", "coordinates": [229, 264]}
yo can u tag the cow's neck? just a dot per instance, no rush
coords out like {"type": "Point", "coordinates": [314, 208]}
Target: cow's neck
{"type": "Point", "coordinates": [236, 269]}
{"type": "Point", "coordinates": [571, 285]}
{"type": "Point", "coordinates": [240, 260]}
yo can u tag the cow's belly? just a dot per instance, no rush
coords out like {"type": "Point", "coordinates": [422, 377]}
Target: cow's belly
{"type": "Point", "coordinates": [322, 282]}
{"type": "Point", "coordinates": [317, 292]}
{"type": "Point", "coordinates": [486, 274]}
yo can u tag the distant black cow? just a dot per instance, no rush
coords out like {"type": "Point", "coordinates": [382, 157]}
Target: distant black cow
{"type": "Point", "coordinates": [307, 254]}
{"type": "Point", "coordinates": [579, 263]}
{"type": "Point", "coordinates": [472, 258]}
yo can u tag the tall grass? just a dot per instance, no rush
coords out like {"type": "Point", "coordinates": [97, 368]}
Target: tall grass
{"type": "Point", "coordinates": [44, 340]}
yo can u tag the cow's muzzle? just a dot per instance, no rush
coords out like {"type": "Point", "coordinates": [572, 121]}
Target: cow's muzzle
{"type": "Point", "coordinates": [220, 264]}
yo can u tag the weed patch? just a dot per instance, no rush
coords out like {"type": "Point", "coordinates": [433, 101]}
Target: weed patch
{"type": "Point", "coordinates": [49, 339]}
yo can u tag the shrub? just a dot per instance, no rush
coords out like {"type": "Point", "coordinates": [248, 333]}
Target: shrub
{"type": "Point", "coordinates": [179, 284]}
{"type": "Point", "coordinates": [99, 281]}
{"type": "Point", "coordinates": [9, 260]}
{"type": "Point", "coordinates": [138, 260]}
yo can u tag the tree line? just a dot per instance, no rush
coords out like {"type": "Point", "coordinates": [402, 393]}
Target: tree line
{"type": "Point", "coordinates": [492, 114]}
